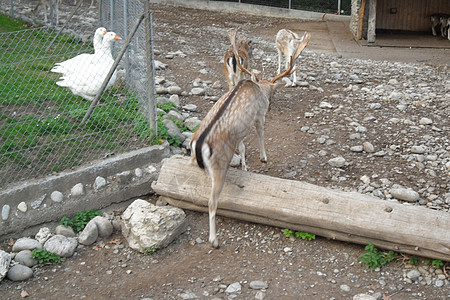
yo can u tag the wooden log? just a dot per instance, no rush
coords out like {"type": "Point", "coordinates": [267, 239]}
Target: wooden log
{"type": "Point", "coordinates": [301, 206]}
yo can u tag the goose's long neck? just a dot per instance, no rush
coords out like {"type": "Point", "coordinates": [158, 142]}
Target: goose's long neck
{"type": "Point", "coordinates": [105, 49]}
{"type": "Point", "coordinates": [97, 42]}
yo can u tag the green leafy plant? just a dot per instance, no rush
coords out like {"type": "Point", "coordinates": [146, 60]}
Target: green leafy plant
{"type": "Point", "coordinates": [299, 234]}
{"type": "Point", "coordinates": [80, 220]}
{"type": "Point", "coordinates": [44, 256]}
{"type": "Point", "coordinates": [288, 232]}
{"type": "Point", "coordinates": [305, 236]}
{"type": "Point", "coordinates": [437, 263]}
{"type": "Point", "coordinates": [166, 106]}
{"type": "Point", "coordinates": [413, 261]}
{"type": "Point", "coordinates": [151, 250]}
{"type": "Point", "coordinates": [374, 259]}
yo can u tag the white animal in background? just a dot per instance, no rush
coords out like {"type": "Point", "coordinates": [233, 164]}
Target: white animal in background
{"type": "Point", "coordinates": [227, 123]}
{"type": "Point", "coordinates": [88, 78]}
{"type": "Point", "coordinates": [72, 65]}
{"type": "Point", "coordinates": [46, 4]}
{"type": "Point", "coordinates": [289, 44]}
{"type": "Point", "coordinates": [232, 73]}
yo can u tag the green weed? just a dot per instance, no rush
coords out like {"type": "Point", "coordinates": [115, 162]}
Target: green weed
{"type": "Point", "coordinates": [300, 235]}
{"type": "Point", "coordinates": [374, 259]}
{"type": "Point", "coordinates": [80, 220]}
{"type": "Point", "coordinates": [44, 256]}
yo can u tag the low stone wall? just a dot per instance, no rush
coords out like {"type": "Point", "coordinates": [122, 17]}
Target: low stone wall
{"type": "Point", "coordinates": [260, 10]}
{"type": "Point", "coordinates": [95, 186]}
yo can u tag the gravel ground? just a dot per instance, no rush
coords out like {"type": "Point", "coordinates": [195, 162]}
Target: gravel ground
{"type": "Point", "coordinates": [371, 125]}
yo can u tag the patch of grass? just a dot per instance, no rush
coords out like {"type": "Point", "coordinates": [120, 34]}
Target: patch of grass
{"type": "Point", "coordinates": [151, 250]}
{"type": "Point", "coordinates": [44, 256]}
{"type": "Point", "coordinates": [375, 259]}
{"type": "Point", "coordinates": [7, 24]}
{"type": "Point", "coordinates": [80, 220]}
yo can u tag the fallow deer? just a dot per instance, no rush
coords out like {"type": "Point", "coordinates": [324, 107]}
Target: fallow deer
{"type": "Point", "coordinates": [289, 44]}
{"type": "Point", "coordinates": [232, 72]}
{"type": "Point", "coordinates": [439, 21]}
{"type": "Point", "coordinates": [46, 4]}
{"type": "Point", "coordinates": [226, 125]}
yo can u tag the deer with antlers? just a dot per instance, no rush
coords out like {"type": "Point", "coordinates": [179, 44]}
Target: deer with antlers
{"type": "Point", "coordinates": [227, 123]}
{"type": "Point", "coordinates": [232, 73]}
{"type": "Point", "coordinates": [289, 44]}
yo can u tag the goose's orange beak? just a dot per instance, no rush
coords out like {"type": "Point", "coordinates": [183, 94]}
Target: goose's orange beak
{"type": "Point", "coordinates": [117, 37]}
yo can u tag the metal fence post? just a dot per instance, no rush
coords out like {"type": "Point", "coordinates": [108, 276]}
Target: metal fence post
{"type": "Point", "coordinates": [12, 8]}
{"type": "Point", "coordinates": [125, 30]}
{"type": "Point", "coordinates": [150, 68]}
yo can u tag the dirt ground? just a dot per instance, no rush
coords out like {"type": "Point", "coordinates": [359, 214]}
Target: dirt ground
{"type": "Point", "coordinates": [293, 268]}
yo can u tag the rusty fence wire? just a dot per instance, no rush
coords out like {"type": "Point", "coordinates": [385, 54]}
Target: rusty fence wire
{"type": "Point", "coordinates": [42, 107]}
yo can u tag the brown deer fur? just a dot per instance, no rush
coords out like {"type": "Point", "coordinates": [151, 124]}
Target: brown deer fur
{"type": "Point", "coordinates": [226, 125]}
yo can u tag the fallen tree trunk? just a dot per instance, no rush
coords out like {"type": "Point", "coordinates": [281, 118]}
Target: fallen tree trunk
{"type": "Point", "coordinates": [301, 206]}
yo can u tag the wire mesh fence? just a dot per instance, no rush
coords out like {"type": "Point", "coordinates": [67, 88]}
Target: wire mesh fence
{"type": "Point", "coordinates": [44, 101]}
{"type": "Point", "coordinates": [325, 6]}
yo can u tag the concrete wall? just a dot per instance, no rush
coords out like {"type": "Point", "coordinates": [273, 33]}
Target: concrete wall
{"type": "Point", "coordinates": [259, 10]}
{"type": "Point", "coordinates": [95, 186]}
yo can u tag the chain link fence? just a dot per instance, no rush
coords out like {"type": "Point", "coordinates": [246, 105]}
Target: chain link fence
{"type": "Point", "coordinates": [51, 121]}
{"type": "Point", "coordinates": [325, 6]}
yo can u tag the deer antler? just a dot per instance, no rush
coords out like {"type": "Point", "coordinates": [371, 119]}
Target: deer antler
{"type": "Point", "coordinates": [236, 55]}
{"type": "Point", "coordinates": [305, 41]}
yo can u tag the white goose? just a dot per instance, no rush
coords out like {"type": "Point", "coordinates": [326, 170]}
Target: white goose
{"type": "Point", "coordinates": [87, 80]}
{"type": "Point", "coordinates": [71, 65]}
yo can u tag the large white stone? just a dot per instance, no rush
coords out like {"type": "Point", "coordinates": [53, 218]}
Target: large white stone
{"type": "Point", "coordinates": [61, 245]}
{"type": "Point", "coordinates": [5, 259]}
{"type": "Point", "coordinates": [145, 225]}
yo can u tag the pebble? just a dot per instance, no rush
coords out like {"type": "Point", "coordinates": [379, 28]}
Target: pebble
{"type": "Point", "coordinates": [413, 274]}
{"type": "Point", "coordinates": [24, 258]}
{"type": "Point", "coordinates": [405, 194]}
{"type": "Point", "coordinates": [345, 288]}
{"type": "Point", "coordinates": [258, 285]}
{"type": "Point", "coordinates": [19, 273]}
{"type": "Point", "coordinates": [26, 243]}
{"type": "Point", "coordinates": [337, 162]}
{"type": "Point", "coordinates": [77, 190]}
{"type": "Point", "coordinates": [233, 288]}
{"type": "Point", "coordinates": [22, 207]}
{"type": "Point", "coordinates": [57, 196]}
{"type": "Point", "coordinates": [5, 212]}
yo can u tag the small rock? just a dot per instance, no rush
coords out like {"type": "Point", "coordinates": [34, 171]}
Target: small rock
{"type": "Point", "coordinates": [175, 99]}
{"type": "Point", "coordinates": [65, 231]}
{"type": "Point", "coordinates": [56, 196]}
{"type": "Point", "coordinates": [5, 259]}
{"type": "Point", "coordinates": [325, 105]}
{"type": "Point", "coordinates": [89, 234]}
{"type": "Point", "coordinates": [260, 295]}
{"type": "Point", "coordinates": [99, 183]}
{"type": "Point", "coordinates": [174, 90]}
{"type": "Point", "coordinates": [364, 297]}
{"type": "Point", "coordinates": [337, 162]}
{"type": "Point", "coordinates": [77, 190]}
{"type": "Point", "coordinates": [405, 194]}
{"type": "Point", "coordinates": [198, 91]}
{"type": "Point", "coordinates": [61, 245]}
{"type": "Point", "coordinates": [5, 212]}
{"type": "Point", "coordinates": [233, 288]}
{"type": "Point", "coordinates": [258, 285]}
{"type": "Point", "coordinates": [357, 148]}
{"type": "Point", "coordinates": [24, 258]}
{"type": "Point", "coordinates": [413, 274]}
{"type": "Point", "coordinates": [368, 147]}
{"type": "Point", "coordinates": [43, 235]}
{"type": "Point", "coordinates": [192, 123]}
{"type": "Point", "coordinates": [418, 149]}
{"type": "Point", "coordinates": [19, 273]}
{"type": "Point", "coordinates": [425, 121]}
{"type": "Point", "coordinates": [26, 243]}
{"type": "Point", "coordinates": [24, 294]}
{"type": "Point", "coordinates": [190, 107]}
{"type": "Point", "coordinates": [104, 226]}
{"type": "Point", "coordinates": [22, 207]}
{"type": "Point", "coordinates": [345, 288]}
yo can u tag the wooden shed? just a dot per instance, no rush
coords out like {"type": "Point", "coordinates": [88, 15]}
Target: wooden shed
{"type": "Point", "coordinates": [372, 16]}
